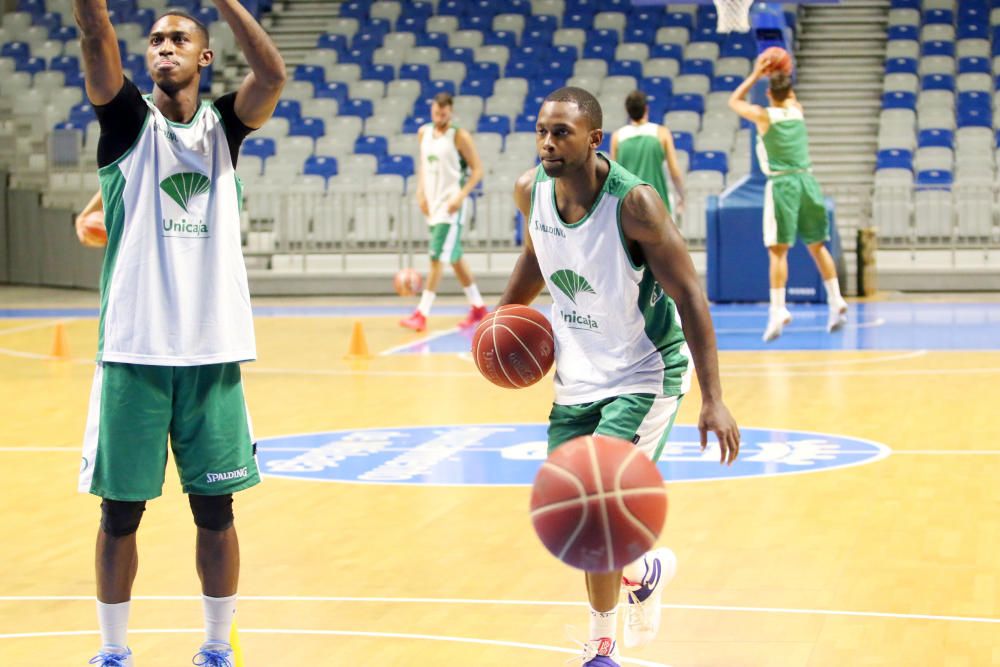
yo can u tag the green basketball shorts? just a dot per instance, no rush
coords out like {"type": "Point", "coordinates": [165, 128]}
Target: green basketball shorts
{"type": "Point", "coordinates": [643, 419]}
{"type": "Point", "coordinates": [794, 206]}
{"type": "Point", "coordinates": [133, 410]}
{"type": "Point", "coordinates": [446, 237]}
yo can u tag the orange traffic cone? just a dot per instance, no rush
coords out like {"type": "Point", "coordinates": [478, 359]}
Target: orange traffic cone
{"type": "Point", "coordinates": [60, 343]}
{"type": "Point", "coordinates": [358, 347]}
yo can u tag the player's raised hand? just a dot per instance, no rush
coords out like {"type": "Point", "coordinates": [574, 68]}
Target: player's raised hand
{"type": "Point", "coordinates": [715, 417]}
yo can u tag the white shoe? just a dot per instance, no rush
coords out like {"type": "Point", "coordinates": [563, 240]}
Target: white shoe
{"type": "Point", "coordinates": [642, 620]}
{"type": "Point", "coordinates": [776, 322]}
{"type": "Point", "coordinates": [838, 316]}
{"type": "Point", "coordinates": [214, 654]}
{"type": "Point", "coordinates": [113, 656]}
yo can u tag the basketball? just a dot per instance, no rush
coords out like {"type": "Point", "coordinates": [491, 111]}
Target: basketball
{"type": "Point", "coordinates": [513, 346]}
{"type": "Point", "coordinates": [777, 59]}
{"type": "Point", "coordinates": [94, 232]}
{"type": "Point", "coordinates": [598, 503]}
{"type": "Point", "coordinates": [407, 282]}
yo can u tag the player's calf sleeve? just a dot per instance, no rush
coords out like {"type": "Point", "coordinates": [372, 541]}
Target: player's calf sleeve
{"type": "Point", "coordinates": [120, 518]}
{"type": "Point", "coordinates": [212, 512]}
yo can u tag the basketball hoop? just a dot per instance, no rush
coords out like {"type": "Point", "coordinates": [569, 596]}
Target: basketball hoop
{"type": "Point", "coordinates": [734, 15]}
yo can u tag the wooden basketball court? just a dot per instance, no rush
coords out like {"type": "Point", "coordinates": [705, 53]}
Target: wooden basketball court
{"type": "Point", "coordinates": [892, 562]}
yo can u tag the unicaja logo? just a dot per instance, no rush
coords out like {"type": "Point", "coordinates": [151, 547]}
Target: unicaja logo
{"type": "Point", "coordinates": [181, 187]}
{"type": "Point", "coordinates": [571, 283]}
{"type": "Point", "coordinates": [214, 477]}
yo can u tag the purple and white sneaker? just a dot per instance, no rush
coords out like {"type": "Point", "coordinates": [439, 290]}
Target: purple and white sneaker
{"type": "Point", "coordinates": [642, 621]}
{"type": "Point", "coordinates": [601, 652]}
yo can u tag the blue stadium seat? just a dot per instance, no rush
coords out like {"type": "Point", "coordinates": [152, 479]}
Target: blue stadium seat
{"type": "Point", "coordinates": [972, 31]}
{"type": "Point", "coordinates": [484, 70]}
{"type": "Point", "coordinates": [82, 113]}
{"type": "Point", "coordinates": [938, 82]}
{"type": "Point", "coordinates": [533, 102]}
{"type": "Point", "coordinates": [556, 69]}
{"type": "Point", "coordinates": [526, 122]}
{"type": "Point", "coordinates": [938, 48]}
{"type": "Point", "coordinates": [356, 10]}
{"type": "Point", "coordinates": [899, 99]}
{"type": "Point", "coordinates": [400, 165]}
{"type": "Point", "coordinates": [134, 62]}
{"type": "Point", "coordinates": [69, 125]}
{"type": "Point", "coordinates": [673, 51]}
{"type": "Point", "coordinates": [320, 165]}
{"type": "Point", "coordinates": [334, 90]}
{"type": "Point", "coordinates": [933, 180]}
{"type": "Point", "coordinates": [432, 88]}
{"type": "Point", "coordinates": [522, 7]}
{"type": "Point", "coordinates": [66, 33]}
{"type": "Point", "coordinates": [974, 99]}
{"type": "Point", "coordinates": [337, 43]}
{"type": "Point", "coordinates": [414, 123]}
{"type": "Point", "coordinates": [144, 17]}
{"type": "Point", "coordinates": [414, 24]}
{"type": "Point", "coordinates": [604, 52]}
{"type": "Point", "coordinates": [973, 65]}
{"type": "Point", "coordinates": [262, 147]}
{"type": "Point", "coordinates": [290, 109]}
{"type": "Point", "coordinates": [738, 45]}
{"type": "Point", "coordinates": [542, 86]}
{"type": "Point", "coordinates": [451, 8]}
{"type": "Point", "coordinates": [522, 69]}
{"type": "Point", "coordinates": [421, 106]}
{"type": "Point", "coordinates": [625, 68]}
{"type": "Point", "coordinates": [377, 25]}
{"type": "Point", "coordinates": [640, 35]}
{"type": "Point", "coordinates": [709, 161]}
{"type": "Point", "coordinates": [975, 117]}
{"type": "Point", "coordinates": [935, 138]}
{"type": "Point", "coordinates": [356, 56]}
{"type": "Point", "coordinates": [33, 7]}
{"type": "Point", "coordinates": [726, 83]}
{"type": "Point", "coordinates": [498, 124]}
{"type": "Point", "coordinates": [659, 104]}
{"type": "Point", "coordinates": [380, 72]}
{"type": "Point", "coordinates": [894, 158]}
{"type": "Point", "coordinates": [48, 20]}
{"type": "Point", "coordinates": [438, 39]}
{"type": "Point", "coordinates": [207, 15]}
{"type": "Point", "coordinates": [500, 38]}
{"type": "Point", "coordinates": [706, 15]}
{"type": "Point", "coordinates": [307, 127]}
{"type": "Point", "coordinates": [367, 40]}
{"type": "Point", "coordinates": [15, 50]}
{"type": "Point", "coordinates": [30, 65]}
{"type": "Point", "coordinates": [945, 16]}
{"type": "Point", "coordinates": [65, 64]}
{"type": "Point", "coordinates": [903, 32]}
{"type": "Point", "coordinates": [536, 37]}
{"type": "Point", "coordinates": [678, 20]}
{"type": "Point", "coordinates": [698, 66]}
{"type": "Point", "coordinates": [905, 4]}
{"type": "Point", "coordinates": [542, 22]}
{"type": "Point", "coordinates": [421, 73]}
{"type": "Point", "coordinates": [621, 6]}
{"type": "Point", "coordinates": [475, 22]}
{"type": "Point", "coordinates": [642, 17]}
{"type": "Point", "coordinates": [458, 55]}
{"type": "Point", "coordinates": [707, 34]}
{"type": "Point", "coordinates": [563, 52]}
{"type": "Point", "coordinates": [688, 102]}
{"type": "Point", "coordinates": [603, 36]}
{"type": "Point", "coordinates": [901, 66]}
{"type": "Point", "coordinates": [661, 85]}
{"type": "Point", "coordinates": [421, 9]}
{"type": "Point", "coordinates": [482, 8]}
{"type": "Point", "coordinates": [478, 87]}
{"type": "Point", "coordinates": [683, 141]}
{"type": "Point", "coordinates": [377, 146]}
{"type": "Point", "coordinates": [76, 79]}
{"type": "Point", "coordinates": [311, 73]}
{"type": "Point", "coordinates": [579, 20]}
{"type": "Point", "coordinates": [359, 108]}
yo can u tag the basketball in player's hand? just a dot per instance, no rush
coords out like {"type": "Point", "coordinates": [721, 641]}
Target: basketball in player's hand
{"type": "Point", "coordinates": [407, 282]}
{"type": "Point", "coordinates": [91, 231]}
{"type": "Point", "coordinates": [598, 503]}
{"type": "Point", "coordinates": [513, 346]}
{"type": "Point", "coordinates": [776, 59]}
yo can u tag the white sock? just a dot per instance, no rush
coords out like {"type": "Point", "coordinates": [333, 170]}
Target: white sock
{"type": "Point", "coordinates": [113, 619]}
{"type": "Point", "coordinates": [472, 294]}
{"type": "Point", "coordinates": [426, 301]}
{"type": "Point", "coordinates": [219, 614]}
{"type": "Point", "coordinates": [603, 623]}
{"type": "Point", "coordinates": [833, 297]}
{"type": "Point", "coordinates": [777, 298]}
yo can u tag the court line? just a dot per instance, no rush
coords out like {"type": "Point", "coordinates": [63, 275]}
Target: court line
{"type": "Point", "coordinates": [880, 321]}
{"type": "Point", "coordinates": [36, 325]}
{"type": "Point", "coordinates": [335, 633]}
{"type": "Point", "coordinates": [517, 603]}
{"type": "Point", "coordinates": [834, 362]}
{"type": "Point", "coordinates": [419, 341]}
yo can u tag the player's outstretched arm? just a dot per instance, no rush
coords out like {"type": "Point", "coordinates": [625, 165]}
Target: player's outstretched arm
{"type": "Point", "coordinates": [260, 91]}
{"type": "Point", "coordinates": [526, 281]}
{"type": "Point", "coordinates": [645, 221]}
{"type": "Point", "coordinates": [737, 101]}
{"type": "Point", "coordinates": [102, 63]}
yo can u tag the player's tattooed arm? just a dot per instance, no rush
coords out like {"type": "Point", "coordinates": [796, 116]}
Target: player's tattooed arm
{"type": "Point", "coordinates": [649, 229]}
{"type": "Point", "coordinates": [260, 91]}
{"type": "Point", "coordinates": [526, 280]}
{"type": "Point", "coordinates": [102, 63]}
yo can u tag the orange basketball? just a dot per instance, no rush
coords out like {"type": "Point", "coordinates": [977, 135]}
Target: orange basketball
{"type": "Point", "coordinates": [513, 346]}
{"type": "Point", "coordinates": [777, 60]}
{"type": "Point", "coordinates": [94, 232]}
{"type": "Point", "coordinates": [598, 503]}
{"type": "Point", "coordinates": [407, 282]}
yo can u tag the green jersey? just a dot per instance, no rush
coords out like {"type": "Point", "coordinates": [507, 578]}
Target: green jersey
{"type": "Point", "coordinates": [640, 151]}
{"type": "Point", "coordinates": [785, 145]}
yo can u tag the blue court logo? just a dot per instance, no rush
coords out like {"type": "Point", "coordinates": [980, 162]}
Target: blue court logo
{"type": "Point", "coordinates": [509, 454]}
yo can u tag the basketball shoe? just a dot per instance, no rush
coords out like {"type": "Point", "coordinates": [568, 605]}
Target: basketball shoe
{"type": "Point", "coordinates": [777, 320]}
{"type": "Point", "coordinates": [837, 317]}
{"type": "Point", "coordinates": [113, 656]}
{"type": "Point", "coordinates": [417, 321]}
{"type": "Point", "coordinates": [601, 652]}
{"type": "Point", "coordinates": [476, 314]}
{"type": "Point", "coordinates": [214, 654]}
{"type": "Point", "coordinates": [642, 620]}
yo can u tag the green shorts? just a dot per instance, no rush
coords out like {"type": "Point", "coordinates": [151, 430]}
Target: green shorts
{"type": "Point", "coordinates": [446, 241]}
{"type": "Point", "coordinates": [133, 408]}
{"type": "Point", "coordinates": [794, 206]}
{"type": "Point", "coordinates": [643, 419]}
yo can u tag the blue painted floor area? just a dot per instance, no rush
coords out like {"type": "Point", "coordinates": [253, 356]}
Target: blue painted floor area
{"type": "Point", "coordinates": [872, 326]}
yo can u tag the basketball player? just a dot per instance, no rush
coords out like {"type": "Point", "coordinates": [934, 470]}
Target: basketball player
{"type": "Point", "coordinates": [793, 203]}
{"type": "Point", "coordinates": [449, 170]}
{"type": "Point", "coordinates": [95, 204]}
{"type": "Point", "coordinates": [623, 363]}
{"type": "Point", "coordinates": [175, 309]}
{"type": "Point", "coordinates": [642, 148]}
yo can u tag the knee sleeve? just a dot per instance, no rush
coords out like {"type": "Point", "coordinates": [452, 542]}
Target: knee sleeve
{"type": "Point", "coordinates": [120, 518]}
{"type": "Point", "coordinates": [212, 512]}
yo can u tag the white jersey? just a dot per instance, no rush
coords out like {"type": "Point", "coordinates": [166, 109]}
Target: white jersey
{"type": "Point", "coordinates": [443, 171]}
{"type": "Point", "coordinates": [174, 285]}
{"type": "Point", "coordinates": [616, 332]}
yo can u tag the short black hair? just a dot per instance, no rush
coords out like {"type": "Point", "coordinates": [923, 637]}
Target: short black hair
{"type": "Point", "coordinates": [444, 99]}
{"type": "Point", "coordinates": [586, 102]}
{"type": "Point", "coordinates": [635, 104]}
{"type": "Point", "coordinates": [183, 13]}
{"type": "Point", "coordinates": [780, 85]}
